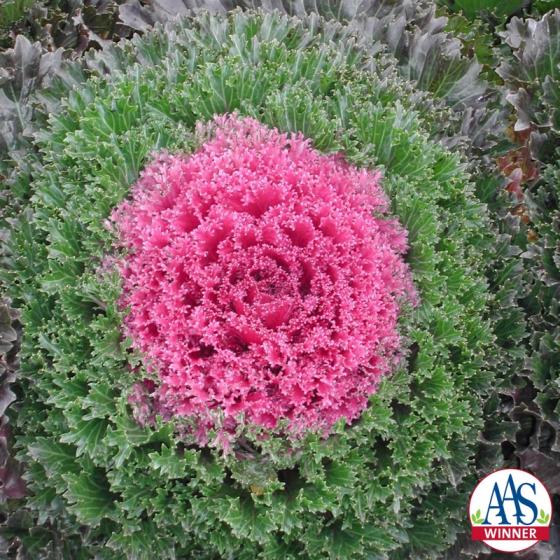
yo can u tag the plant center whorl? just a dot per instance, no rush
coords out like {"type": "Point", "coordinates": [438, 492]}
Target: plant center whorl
{"type": "Point", "coordinates": [262, 279]}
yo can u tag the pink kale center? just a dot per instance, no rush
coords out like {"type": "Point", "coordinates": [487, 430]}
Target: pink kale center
{"type": "Point", "coordinates": [262, 279]}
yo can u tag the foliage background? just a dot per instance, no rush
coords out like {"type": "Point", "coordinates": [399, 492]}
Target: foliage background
{"type": "Point", "coordinates": [512, 126]}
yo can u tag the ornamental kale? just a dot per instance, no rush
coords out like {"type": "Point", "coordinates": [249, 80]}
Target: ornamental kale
{"type": "Point", "coordinates": [262, 279]}
{"type": "Point", "coordinates": [275, 300]}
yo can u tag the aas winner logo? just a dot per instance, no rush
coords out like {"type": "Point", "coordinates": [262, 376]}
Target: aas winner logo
{"type": "Point", "coordinates": [510, 510]}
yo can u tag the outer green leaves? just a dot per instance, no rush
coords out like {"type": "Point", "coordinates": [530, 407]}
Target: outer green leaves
{"type": "Point", "coordinates": [409, 30]}
{"type": "Point", "coordinates": [90, 496]}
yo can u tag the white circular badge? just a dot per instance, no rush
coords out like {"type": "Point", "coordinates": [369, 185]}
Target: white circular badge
{"type": "Point", "coordinates": [510, 510]}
